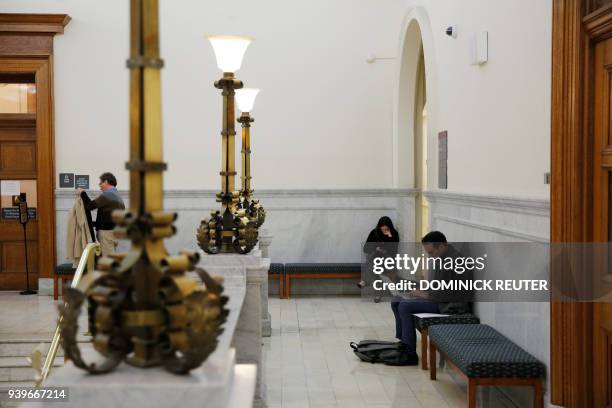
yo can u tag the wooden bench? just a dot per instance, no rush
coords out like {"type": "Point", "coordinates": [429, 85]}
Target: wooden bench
{"type": "Point", "coordinates": [485, 357]}
{"type": "Point", "coordinates": [277, 271]}
{"type": "Point", "coordinates": [63, 273]}
{"type": "Point", "coordinates": [319, 271]}
{"type": "Point", "coordinates": [423, 324]}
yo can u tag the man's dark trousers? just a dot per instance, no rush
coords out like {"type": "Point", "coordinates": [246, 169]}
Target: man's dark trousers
{"type": "Point", "coordinates": [404, 319]}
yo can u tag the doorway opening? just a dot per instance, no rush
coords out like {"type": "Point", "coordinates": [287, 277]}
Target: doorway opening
{"type": "Point", "coordinates": [414, 113]}
{"type": "Point", "coordinates": [27, 149]}
{"type": "Point", "coordinates": [420, 152]}
{"type": "Point", "coordinates": [18, 172]}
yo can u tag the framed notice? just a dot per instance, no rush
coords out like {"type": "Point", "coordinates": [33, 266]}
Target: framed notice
{"type": "Point", "coordinates": [81, 181]}
{"type": "Point", "coordinates": [10, 187]}
{"type": "Point", "coordinates": [443, 160]}
{"type": "Point", "coordinates": [66, 180]}
{"type": "Point", "coordinates": [12, 213]}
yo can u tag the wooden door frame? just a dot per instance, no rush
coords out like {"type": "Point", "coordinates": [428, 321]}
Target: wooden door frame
{"type": "Point", "coordinates": [27, 48]}
{"type": "Point", "coordinates": [577, 24]}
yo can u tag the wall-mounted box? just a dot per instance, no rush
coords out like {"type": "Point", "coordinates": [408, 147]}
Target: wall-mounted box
{"type": "Point", "coordinates": [479, 48]}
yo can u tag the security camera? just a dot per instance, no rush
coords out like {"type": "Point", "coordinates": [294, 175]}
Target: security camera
{"type": "Point", "coordinates": [451, 31]}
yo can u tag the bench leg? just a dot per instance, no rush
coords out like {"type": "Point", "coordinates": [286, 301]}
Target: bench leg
{"type": "Point", "coordinates": [471, 393]}
{"type": "Point", "coordinates": [55, 288]}
{"type": "Point", "coordinates": [424, 345]}
{"type": "Point", "coordinates": [281, 286]}
{"type": "Point", "coordinates": [432, 360]}
{"type": "Point", "coordinates": [538, 396]}
{"type": "Point", "coordinates": [287, 286]}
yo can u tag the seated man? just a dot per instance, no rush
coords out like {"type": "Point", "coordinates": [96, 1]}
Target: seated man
{"type": "Point", "coordinates": [436, 246]}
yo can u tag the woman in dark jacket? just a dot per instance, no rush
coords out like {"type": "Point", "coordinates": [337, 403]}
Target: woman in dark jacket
{"type": "Point", "coordinates": [384, 234]}
{"type": "Point", "coordinates": [384, 231]}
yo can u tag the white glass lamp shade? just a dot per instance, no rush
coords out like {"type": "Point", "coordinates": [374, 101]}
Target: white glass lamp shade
{"type": "Point", "coordinates": [229, 51]}
{"type": "Point", "coordinates": [245, 98]}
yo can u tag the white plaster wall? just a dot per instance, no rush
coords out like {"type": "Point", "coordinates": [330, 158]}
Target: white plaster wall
{"type": "Point", "coordinates": [323, 118]}
{"type": "Point", "coordinates": [306, 225]}
{"type": "Point", "coordinates": [497, 115]}
{"type": "Point", "coordinates": [495, 218]}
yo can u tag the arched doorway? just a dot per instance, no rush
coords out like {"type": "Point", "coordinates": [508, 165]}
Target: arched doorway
{"type": "Point", "coordinates": [414, 112]}
{"type": "Point", "coordinates": [420, 152]}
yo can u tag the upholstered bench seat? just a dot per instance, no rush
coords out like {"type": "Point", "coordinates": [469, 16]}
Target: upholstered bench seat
{"type": "Point", "coordinates": [423, 323]}
{"type": "Point", "coordinates": [480, 351]}
{"type": "Point", "coordinates": [319, 270]}
{"type": "Point", "coordinates": [65, 269]}
{"type": "Point", "coordinates": [63, 273]}
{"type": "Point", "coordinates": [277, 268]}
{"type": "Point", "coordinates": [277, 271]}
{"type": "Point", "coordinates": [485, 357]}
{"type": "Point", "coordinates": [301, 268]}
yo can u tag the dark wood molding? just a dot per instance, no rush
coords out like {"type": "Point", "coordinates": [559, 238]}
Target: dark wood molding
{"type": "Point", "coordinates": [576, 25]}
{"type": "Point", "coordinates": [568, 340]}
{"type": "Point", "coordinates": [30, 35]}
{"type": "Point", "coordinates": [598, 24]}
{"type": "Point", "coordinates": [16, 78]}
{"type": "Point", "coordinates": [45, 155]}
{"type": "Point", "coordinates": [33, 23]}
{"type": "Point", "coordinates": [17, 120]}
{"type": "Point", "coordinates": [26, 51]}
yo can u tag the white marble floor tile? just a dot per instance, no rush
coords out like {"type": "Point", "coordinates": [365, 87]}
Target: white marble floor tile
{"type": "Point", "coordinates": [314, 367]}
{"type": "Point", "coordinates": [308, 362]}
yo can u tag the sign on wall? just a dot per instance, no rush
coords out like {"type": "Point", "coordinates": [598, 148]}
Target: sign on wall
{"type": "Point", "coordinates": [443, 160]}
{"type": "Point", "coordinates": [10, 187]}
{"type": "Point", "coordinates": [12, 213]}
{"type": "Point", "coordinates": [81, 181]}
{"type": "Point", "coordinates": [66, 180]}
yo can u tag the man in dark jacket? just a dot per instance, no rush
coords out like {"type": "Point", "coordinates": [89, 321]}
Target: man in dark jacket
{"type": "Point", "coordinates": [105, 203]}
{"type": "Point", "coordinates": [436, 246]}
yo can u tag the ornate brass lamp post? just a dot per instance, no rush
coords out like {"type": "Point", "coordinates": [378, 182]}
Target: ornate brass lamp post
{"type": "Point", "coordinates": [254, 210]}
{"type": "Point", "coordinates": [142, 306]}
{"type": "Point", "coordinates": [230, 229]}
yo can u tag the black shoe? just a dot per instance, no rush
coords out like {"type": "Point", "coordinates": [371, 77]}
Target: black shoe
{"type": "Point", "coordinates": [400, 357]}
{"type": "Point", "coordinates": [361, 284]}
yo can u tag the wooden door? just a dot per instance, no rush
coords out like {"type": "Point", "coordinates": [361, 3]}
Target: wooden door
{"type": "Point", "coordinates": [581, 201]}
{"type": "Point", "coordinates": [602, 210]}
{"type": "Point", "coordinates": [26, 143]}
{"type": "Point", "coordinates": [18, 164]}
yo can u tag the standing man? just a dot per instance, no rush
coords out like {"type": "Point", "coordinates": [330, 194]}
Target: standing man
{"type": "Point", "coordinates": [105, 203]}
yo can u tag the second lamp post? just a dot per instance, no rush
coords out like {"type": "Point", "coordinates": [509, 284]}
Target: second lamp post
{"type": "Point", "coordinates": [229, 230]}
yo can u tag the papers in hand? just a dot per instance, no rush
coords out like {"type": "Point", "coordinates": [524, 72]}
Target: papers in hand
{"type": "Point", "coordinates": [427, 315]}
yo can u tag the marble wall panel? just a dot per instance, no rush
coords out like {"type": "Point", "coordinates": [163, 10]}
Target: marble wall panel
{"type": "Point", "coordinates": [479, 218]}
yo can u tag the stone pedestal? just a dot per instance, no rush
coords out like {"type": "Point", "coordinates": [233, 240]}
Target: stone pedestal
{"type": "Point", "coordinates": [218, 383]}
{"type": "Point", "coordinates": [265, 239]}
{"type": "Point", "coordinates": [211, 386]}
{"type": "Point", "coordinates": [247, 338]}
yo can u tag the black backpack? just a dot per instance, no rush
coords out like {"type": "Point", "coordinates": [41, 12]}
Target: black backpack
{"type": "Point", "coordinates": [373, 351]}
{"type": "Point", "coordinates": [387, 352]}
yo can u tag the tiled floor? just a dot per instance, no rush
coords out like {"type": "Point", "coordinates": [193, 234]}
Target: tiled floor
{"type": "Point", "coordinates": [32, 315]}
{"type": "Point", "coordinates": [309, 362]}
{"type": "Point", "coordinates": [308, 359]}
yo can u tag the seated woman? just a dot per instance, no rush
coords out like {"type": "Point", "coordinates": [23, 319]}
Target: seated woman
{"type": "Point", "coordinates": [435, 245]}
{"type": "Point", "coordinates": [384, 234]}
